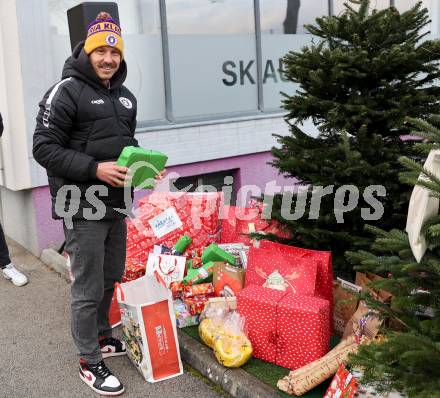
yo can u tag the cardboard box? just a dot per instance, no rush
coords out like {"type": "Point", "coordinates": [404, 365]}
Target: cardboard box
{"type": "Point", "coordinates": [345, 303]}
{"type": "Point", "coordinates": [363, 279]}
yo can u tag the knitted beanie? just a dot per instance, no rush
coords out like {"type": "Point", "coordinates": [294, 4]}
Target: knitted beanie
{"type": "Point", "coordinates": [104, 32]}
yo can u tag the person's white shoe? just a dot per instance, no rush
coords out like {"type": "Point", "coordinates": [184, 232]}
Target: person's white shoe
{"type": "Point", "coordinates": [15, 276]}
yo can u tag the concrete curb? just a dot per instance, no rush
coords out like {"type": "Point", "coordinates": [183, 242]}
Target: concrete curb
{"type": "Point", "coordinates": [236, 382]}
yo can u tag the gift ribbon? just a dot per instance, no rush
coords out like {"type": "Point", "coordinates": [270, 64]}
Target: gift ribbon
{"type": "Point", "coordinates": [118, 288]}
{"type": "Point", "coordinates": [159, 278]}
{"type": "Point", "coordinates": [171, 270]}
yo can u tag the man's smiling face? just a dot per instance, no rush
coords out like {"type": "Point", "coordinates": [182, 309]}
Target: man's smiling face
{"type": "Point", "coordinates": [105, 62]}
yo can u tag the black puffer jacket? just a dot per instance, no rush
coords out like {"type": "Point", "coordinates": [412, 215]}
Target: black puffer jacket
{"type": "Point", "coordinates": [81, 123]}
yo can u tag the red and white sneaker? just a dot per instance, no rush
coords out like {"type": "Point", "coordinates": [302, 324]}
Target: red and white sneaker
{"type": "Point", "coordinates": [111, 347]}
{"type": "Point", "coordinates": [99, 378]}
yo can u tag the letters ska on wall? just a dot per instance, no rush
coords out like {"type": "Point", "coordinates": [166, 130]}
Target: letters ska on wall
{"type": "Point", "coordinates": [243, 72]}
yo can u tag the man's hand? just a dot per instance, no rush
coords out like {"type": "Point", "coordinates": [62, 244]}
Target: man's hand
{"type": "Point", "coordinates": [160, 176]}
{"type": "Point", "coordinates": [111, 173]}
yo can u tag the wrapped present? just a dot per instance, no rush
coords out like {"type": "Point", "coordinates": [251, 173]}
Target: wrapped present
{"type": "Point", "coordinates": [206, 289]}
{"type": "Point", "coordinates": [285, 329]}
{"type": "Point", "coordinates": [199, 275]}
{"type": "Point", "coordinates": [162, 218]}
{"type": "Point", "coordinates": [215, 253]}
{"type": "Point", "coordinates": [239, 222]}
{"type": "Point", "coordinates": [134, 269]}
{"type": "Point", "coordinates": [344, 384]}
{"type": "Point", "coordinates": [224, 304]}
{"type": "Point", "coordinates": [281, 271]}
{"type": "Point", "coordinates": [195, 305]}
{"type": "Point", "coordinates": [144, 164]}
{"type": "Point", "coordinates": [302, 380]}
{"type": "Point", "coordinates": [324, 276]}
{"type": "Point", "coordinates": [228, 280]}
{"type": "Point", "coordinates": [176, 290]}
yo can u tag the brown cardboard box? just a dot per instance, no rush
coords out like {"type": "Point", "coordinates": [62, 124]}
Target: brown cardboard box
{"type": "Point", "coordinates": [228, 280]}
{"type": "Point", "coordinates": [345, 303]}
{"type": "Point", "coordinates": [372, 324]}
{"type": "Point", "coordinates": [363, 279]}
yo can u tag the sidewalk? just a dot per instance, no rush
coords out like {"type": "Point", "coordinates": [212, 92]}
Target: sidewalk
{"type": "Point", "coordinates": [37, 355]}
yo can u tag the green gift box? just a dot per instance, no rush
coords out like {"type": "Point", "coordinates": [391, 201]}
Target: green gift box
{"type": "Point", "coordinates": [144, 164]}
{"type": "Point", "coordinates": [214, 253]}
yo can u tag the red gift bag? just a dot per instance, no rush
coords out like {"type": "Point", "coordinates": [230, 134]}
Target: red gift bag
{"type": "Point", "coordinates": [324, 276]}
{"type": "Point", "coordinates": [281, 271]}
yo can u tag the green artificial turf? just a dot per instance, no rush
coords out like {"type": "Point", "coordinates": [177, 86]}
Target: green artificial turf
{"type": "Point", "coordinates": [269, 373]}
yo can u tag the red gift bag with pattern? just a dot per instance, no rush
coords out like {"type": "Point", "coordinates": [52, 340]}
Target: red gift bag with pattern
{"type": "Point", "coordinates": [324, 275]}
{"type": "Point", "coordinates": [281, 271]}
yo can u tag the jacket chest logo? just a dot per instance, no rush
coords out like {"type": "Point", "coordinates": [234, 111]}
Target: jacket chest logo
{"type": "Point", "coordinates": [97, 102]}
{"type": "Point", "coordinates": [126, 102]}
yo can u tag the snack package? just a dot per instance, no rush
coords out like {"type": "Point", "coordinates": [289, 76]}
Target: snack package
{"type": "Point", "coordinates": [231, 347]}
{"type": "Point", "coordinates": [239, 251]}
{"type": "Point", "coordinates": [196, 304]}
{"type": "Point", "coordinates": [206, 289]}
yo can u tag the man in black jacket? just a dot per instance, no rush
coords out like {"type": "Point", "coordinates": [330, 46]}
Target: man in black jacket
{"type": "Point", "coordinates": [8, 269]}
{"type": "Point", "coordinates": [84, 122]}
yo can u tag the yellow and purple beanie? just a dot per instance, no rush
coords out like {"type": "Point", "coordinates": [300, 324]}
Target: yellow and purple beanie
{"type": "Point", "coordinates": [104, 32]}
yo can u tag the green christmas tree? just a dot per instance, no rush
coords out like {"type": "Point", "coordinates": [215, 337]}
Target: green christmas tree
{"type": "Point", "coordinates": [407, 360]}
{"type": "Point", "coordinates": [366, 72]}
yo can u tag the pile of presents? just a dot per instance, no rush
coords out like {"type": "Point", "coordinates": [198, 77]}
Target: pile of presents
{"type": "Point", "coordinates": [281, 297]}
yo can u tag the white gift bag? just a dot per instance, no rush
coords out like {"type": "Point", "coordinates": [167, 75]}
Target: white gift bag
{"type": "Point", "coordinates": [422, 207]}
{"type": "Point", "coordinates": [149, 327]}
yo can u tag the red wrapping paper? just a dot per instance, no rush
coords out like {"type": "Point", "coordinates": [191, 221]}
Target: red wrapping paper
{"type": "Point", "coordinates": [176, 290]}
{"type": "Point", "coordinates": [198, 212]}
{"type": "Point", "coordinates": [134, 269]}
{"type": "Point", "coordinates": [195, 305]}
{"type": "Point", "coordinates": [324, 276]}
{"type": "Point", "coordinates": [197, 290]}
{"type": "Point", "coordinates": [238, 222]}
{"type": "Point", "coordinates": [299, 274]}
{"type": "Point", "coordinates": [284, 329]}
{"type": "Point", "coordinates": [343, 384]}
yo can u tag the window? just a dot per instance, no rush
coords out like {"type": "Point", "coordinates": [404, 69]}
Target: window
{"type": "Point", "coordinates": [282, 30]}
{"type": "Point", "coordinates": [212, 51]}
{"type": "Point", "coordinates": [217, 180]}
